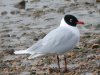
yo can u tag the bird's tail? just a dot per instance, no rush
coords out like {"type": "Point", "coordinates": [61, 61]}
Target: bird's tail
{"type": "Point", "coordinates": [32, 56]}
{"type": "Point", "coordinates": [21, 52]}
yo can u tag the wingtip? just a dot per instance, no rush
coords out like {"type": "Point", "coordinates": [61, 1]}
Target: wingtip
{"type": "Point", "coordinates": [21, 52]}
{"type": "Point", "coordinates": [16, 52]}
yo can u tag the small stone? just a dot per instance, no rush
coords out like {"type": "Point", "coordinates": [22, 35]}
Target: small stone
{"type": "Point", "coordinates": [21, 5]}
{"type": "Point", "coordinates": [95, 46]}
{"type": "Point", "coordinates": [91, 56]}
{"type": "Point", "coordinates": [97, 0]}
{"type": "Point", "coordinates": [50, 70]}
{"type": "Point", "coordinates": [9, 51]}
{"type": "Point", "coordinates": [71, 54]}
{"type": "Point", "coordinates": [38, 13]}
{"type": "Point", "coordinates": [45, 74]}
{"type": "Point", "coordinates": [3, 13]}
{"type": "Point", "coordinates": [83, 64]}
{"type": "Point", "coordinates": [33, 73]}
{"type": "Point", "coordinates": [45, 6]}
{"type": "Point", "coordinates": [35, 39]}
{"type": "Point", "coordinates": [42, 35]}
{"type": "Point", "coordinates": [6, 35]}
{"type": "Point", "coordinates": [1, 55]}
{"type": "Point", "coordinates": [13, 35]}
{"type": "Point", "coordinates": [98, 57]}
{"type": "Point", "coordinates": [12, 12]}
{"type": "Point", "coordinates": [24, 73]}
{"type": "Point", "coordinates": [90, 12]}
{"type": "Point", "coordinates": [3, 65]}
{"type": "Point", "coordinates": [70, 73]}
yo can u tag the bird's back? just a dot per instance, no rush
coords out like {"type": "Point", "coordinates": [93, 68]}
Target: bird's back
{"type": "Point", "coordinates": [59, 41]}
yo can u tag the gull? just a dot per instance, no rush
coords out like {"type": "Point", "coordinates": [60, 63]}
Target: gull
{"type": "Point", "coordinates": [58, 41]}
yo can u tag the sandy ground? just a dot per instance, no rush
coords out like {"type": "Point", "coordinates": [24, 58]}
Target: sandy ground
{"type": "Point", "coordinates": [20, 28]}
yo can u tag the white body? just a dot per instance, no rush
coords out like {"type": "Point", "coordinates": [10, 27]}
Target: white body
{"type": "Point", "coordinates": [58, 41]}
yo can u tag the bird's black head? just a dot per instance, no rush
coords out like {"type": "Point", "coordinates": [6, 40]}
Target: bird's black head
{"type": "Point", "coordinates": [72, 20]}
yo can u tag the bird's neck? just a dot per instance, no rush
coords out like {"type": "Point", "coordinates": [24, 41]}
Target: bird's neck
{"type": "Point", "coordinates": [65, 25]}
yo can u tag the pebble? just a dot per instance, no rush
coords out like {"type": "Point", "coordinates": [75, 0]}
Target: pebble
{"type": "Point", "coordinates": [25, 73]}
{"type": "Point", "coordinates": [91, 56]}
{"type": "Point", "coordinates": [95, 46]}
{"type": "Point", "coordinates": [11, 52]}
{"type": "Point", "coordinates": [4, 13]}
{"type": "Point", "coordinates": [21, 5]}
{"type": "Point", "coordinates": [87, 73]}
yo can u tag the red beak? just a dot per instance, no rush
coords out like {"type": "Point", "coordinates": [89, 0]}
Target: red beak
{"type": "Point", "coordinates": [80, 22]}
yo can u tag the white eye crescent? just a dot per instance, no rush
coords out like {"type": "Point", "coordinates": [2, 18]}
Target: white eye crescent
{"type": "Point", "coordinates": [70, 20]}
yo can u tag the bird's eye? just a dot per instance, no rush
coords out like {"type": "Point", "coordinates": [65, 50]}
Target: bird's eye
{"type": "Point", "coordinates": [70, 20]}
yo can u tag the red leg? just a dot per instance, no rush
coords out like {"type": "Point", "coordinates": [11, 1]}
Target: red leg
{"type": "Point", "coordinates": [58, 63]}
{"type": "Point", "coordinates": [65, 64]}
